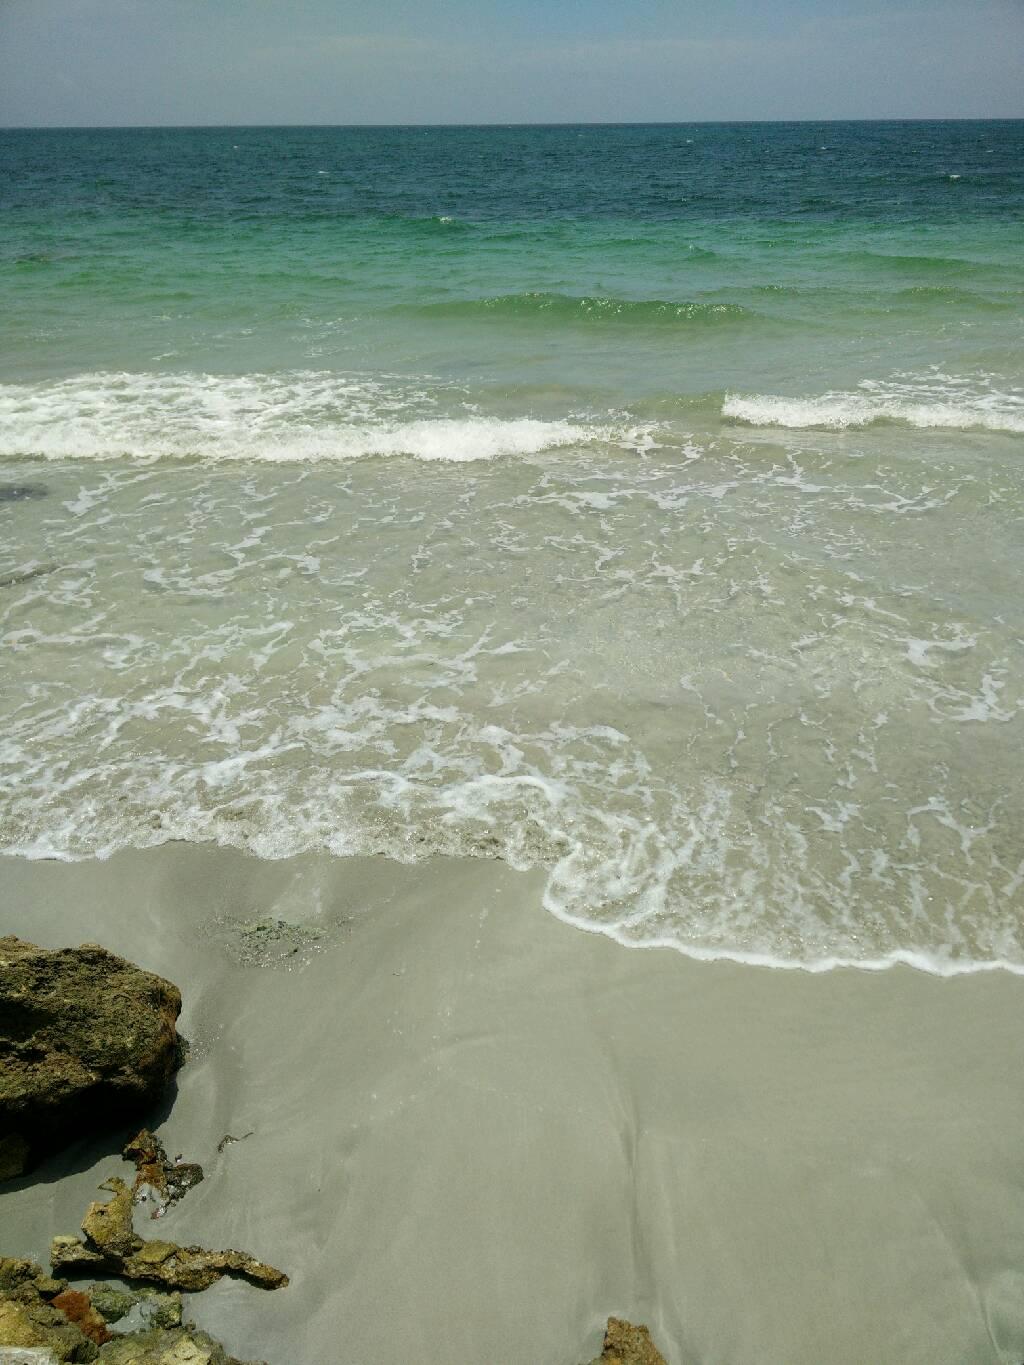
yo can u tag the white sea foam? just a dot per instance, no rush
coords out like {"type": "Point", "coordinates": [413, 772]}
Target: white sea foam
{"type": "Point", "coordinates": [290, 418]}
{"type": "Point", "coordinates": [685, 688]}
{"type": "Point", "coordinates": [933, 400]}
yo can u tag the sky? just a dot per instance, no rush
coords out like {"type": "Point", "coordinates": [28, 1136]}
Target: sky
{"type": "Point", "coordinates": [128, 62]}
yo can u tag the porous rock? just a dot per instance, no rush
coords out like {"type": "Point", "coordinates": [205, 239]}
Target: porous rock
{"type": "Point", "coordinates": [111, 1246]}
{"type": "Point", "coordinates": [134, 1309]}
{"type": "Point", "coordinates": [625, 1344]}
{"type": "Point", "coordinates": [42, 1322]}
{"type": "Point", "coordinates": [77, 1308]}
{"type": "Point", "coordinates": [179, 1346]}
{"type": "Point", "coordinates": [86, 1039]}
{"type": "Point", "coordinates": [30, 1321]}
{"type": "Point", "coordinates": [112, 1302]}
{"type": "Point", "coordinates": [23, 1281]}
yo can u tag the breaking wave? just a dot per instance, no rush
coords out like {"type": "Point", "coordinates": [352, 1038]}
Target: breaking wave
{"type": "Point", "coordinates": [934, 401]}
{"type": "Point", "coordinates": [304, 417]}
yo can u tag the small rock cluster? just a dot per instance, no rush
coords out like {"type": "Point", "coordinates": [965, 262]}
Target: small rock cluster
{"type": "Point", "coordinates": [44, 1321]}
{"type": "Point", "coordinates": [85, 1035]}
{"type": "Point", "coordinates": [48, 1322]}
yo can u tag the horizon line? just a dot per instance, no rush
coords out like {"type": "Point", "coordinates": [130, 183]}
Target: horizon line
{"type": "Point", "coordinates": [532, 123]}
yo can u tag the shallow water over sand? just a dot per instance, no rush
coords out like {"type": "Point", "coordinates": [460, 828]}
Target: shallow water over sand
{"type": "Point", "coordinates": [637, 504]}
{"type": "Point", "coordinates": [751, 696]}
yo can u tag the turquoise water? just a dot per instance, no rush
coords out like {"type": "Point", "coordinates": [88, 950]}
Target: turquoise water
{"type": "Point", "coordinates": [639, 502]}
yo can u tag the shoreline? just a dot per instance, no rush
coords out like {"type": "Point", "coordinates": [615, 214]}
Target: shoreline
{"type": "Point", "coordinates": [819, 966]}
{"type": "Point", "coordinates": [479, 1132]}
{"type": "Point", "coordinates": [923, 963]}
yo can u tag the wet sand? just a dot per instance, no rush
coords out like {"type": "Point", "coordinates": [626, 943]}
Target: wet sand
{"type": "Point", "coordinates": [477, 1131]}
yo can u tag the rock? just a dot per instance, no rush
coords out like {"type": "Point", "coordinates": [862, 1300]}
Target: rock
{"type": "Point", "coordinates": [135, 1309]}
{"type": "Point", "coordinates": [25, 1282]}
{"type": "Point", "coordinates": [14, 1156]}
{"type": "Point", "coordinates": [153, 1309]}
{"type": "Point", "coordinates": [156, 1177]}
{"type": "Point", "coordinates": [180, 1346]}
{"type": "Point", "coordinates": [108, 1226]}
{"type": "Point", "coordinates": [18, 1329]}
{"type": "Point", "coordinates": [160, 1310]}
{"type": "Point", "coordinates": [86, 1039]}
{"type": "Point", "coordinates": [43, 1322]}
{"type": "Point", "coordinates": [625, 1344]}
{"type": "Point", "coordinates": [30, 1319]}
{"type": "Point", "coordinates": [110, 1301]}
{"type": "Point", "coordinates": [112, 1246]}
{"type": "Point", "coordinates": [78, 1309]}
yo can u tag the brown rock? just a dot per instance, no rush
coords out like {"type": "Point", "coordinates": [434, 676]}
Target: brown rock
{"type": "Point", "coordinates": [111, 1245]}
{"type": "Point", "coordinates": [86, 1039]}
{"type": "Point", "coordinates": [157, 1177]}
{"type": "Point", "coordinates": [625, 1344]}
{"type": "Point", "coordinates": [77, 1308]}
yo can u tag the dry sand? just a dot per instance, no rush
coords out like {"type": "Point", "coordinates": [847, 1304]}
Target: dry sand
{"type": "Point", "coordinates": [477, 1132]}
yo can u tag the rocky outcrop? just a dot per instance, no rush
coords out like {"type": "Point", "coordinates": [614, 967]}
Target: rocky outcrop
{"type": "Point", "coordinates": [625, 1344]}
{"type": "Point", "coordinates": [43, 1321]}
{"type": "Point", "coordinates": [28, 1318]}
{"type": "Point", "coordinates": [86, 1038]}
{"type": "Point", "coordinates": [111, 1246]}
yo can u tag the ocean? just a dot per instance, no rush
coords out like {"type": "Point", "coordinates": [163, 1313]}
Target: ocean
{"type": "Point", "coordinates": [641, 504]}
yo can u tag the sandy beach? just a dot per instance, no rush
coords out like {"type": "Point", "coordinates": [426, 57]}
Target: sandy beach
{"type": "Point", "coordinates": [476, 1132]}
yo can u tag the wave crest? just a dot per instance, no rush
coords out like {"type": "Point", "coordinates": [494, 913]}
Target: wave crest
{"type": "Point", "coordinates": [940, 401]}
{"type": "Point", "coordinates": [307, 417]}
